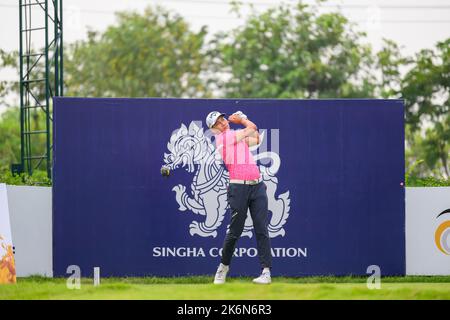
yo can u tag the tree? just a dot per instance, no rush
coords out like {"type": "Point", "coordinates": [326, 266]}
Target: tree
{"type": "Point", "coordinates": [149, 55]}
{"type": "Point", "coordinates": [7, 60]}
{"type": "Point", "coordinates": [430, 150]}
{"type": "Point", "coordinates": [426, 86]}
{"type": "Point", "coordinates": [9, 137]}
{"type": "Point", "coordinates": [293, 52]}
{"type": "Point", "coordinates": [426, 90]}
{"type": "Point", "coordinates": [389, 65]}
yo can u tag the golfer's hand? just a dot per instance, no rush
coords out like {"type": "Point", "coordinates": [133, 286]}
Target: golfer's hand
{"type": "Point", "coordinates": [234, 118]}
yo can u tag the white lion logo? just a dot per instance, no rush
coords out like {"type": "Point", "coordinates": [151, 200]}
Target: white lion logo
{"type": "Point", "coordinates": [208, 197]}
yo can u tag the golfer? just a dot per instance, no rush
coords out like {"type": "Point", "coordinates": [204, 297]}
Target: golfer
{"type": "Point", "coordinates": [246, 190]}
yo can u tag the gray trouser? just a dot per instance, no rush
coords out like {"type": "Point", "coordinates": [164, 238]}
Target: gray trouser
{"type": "Point", "coordinates": [242, 197]}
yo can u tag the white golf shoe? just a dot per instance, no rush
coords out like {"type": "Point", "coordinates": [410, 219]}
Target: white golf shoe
{"type": "Point", "coordinates": [221, 274]}
{"type": "Point", "coordinates": [264, 278]}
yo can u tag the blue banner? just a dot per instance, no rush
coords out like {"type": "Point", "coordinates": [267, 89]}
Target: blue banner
{"type": "Point", "coordinates": [334, 171]}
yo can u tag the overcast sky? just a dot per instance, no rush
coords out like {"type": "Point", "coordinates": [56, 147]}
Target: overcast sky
{"type": "Point", "coordinates": [413, 24]}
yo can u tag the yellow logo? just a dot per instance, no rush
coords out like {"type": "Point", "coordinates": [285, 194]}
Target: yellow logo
{"type": "Point", "coordinates": [7, 265]}
{"type": "Point", "coordinates": [442, 234]}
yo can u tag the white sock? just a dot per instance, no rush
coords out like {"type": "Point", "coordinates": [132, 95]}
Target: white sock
{"type": "Point", "coordinates": [266, 270]}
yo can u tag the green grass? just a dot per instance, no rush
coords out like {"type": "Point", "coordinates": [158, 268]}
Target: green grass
{"type": "Point", "coordinates": [201, 288]}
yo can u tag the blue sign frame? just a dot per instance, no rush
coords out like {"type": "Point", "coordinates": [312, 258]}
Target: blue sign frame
{"type": "Point", "coordinates": [337, 204]}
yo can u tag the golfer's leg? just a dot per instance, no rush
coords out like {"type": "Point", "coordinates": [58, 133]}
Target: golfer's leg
{"type": "Point", "coordinates": [238, 200]}
{"type": "Point", "coordinates": [259, 212]}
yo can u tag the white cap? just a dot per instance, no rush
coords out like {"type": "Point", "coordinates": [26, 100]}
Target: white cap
{"type": "Point", "coordinates": [212, 118]}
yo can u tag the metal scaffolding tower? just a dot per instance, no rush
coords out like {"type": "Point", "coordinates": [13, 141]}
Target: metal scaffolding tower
{"type": "Point", "coordinates": [41, 78]}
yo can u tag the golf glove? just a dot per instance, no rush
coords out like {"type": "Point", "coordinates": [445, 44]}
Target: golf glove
{"type": "Point", "coordinates": [241, 114]}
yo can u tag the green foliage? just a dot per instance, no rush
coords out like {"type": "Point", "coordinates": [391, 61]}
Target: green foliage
{"type": "Point", "coordinates": [389, 61]}
{"type": "Point", "coordinates": [425, 89]}
{"type": "Point", "coordinates": [7, 60]}
{"type": "Point", "coordinates": [153, 54]}
{"type": "Point", "coordinates": [9, 137]}
{"type": "Point", "coordinates": [432, 148]}
{"type": "Point", "coordinates": [427, 182]}
{"type": "Point", "coordinates": [38, 178]}
{"type": "Point", "coordinates": [436, 146]}
{"type": "Point", "coordinates": [10, 149]}
{"type": "Point", "coordinates": [413, 180]}
{"type": "Point", "coordinates": [426, 86]}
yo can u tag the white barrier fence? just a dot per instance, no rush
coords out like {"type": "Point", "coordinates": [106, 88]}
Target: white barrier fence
{"type": "Point", "coordinates": [427, 237]}
{"type": "Point", "coordinates": [30, 211]}
{"type": "Point", "coordinates": [427, 233]}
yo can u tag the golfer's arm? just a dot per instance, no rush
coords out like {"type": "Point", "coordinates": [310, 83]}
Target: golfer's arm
{"type": "Point", "coordinates": [249, 133]}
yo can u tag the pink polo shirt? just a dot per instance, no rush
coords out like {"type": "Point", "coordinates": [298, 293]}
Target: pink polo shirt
{"type": "Point", "coordinates": [237, 157]}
